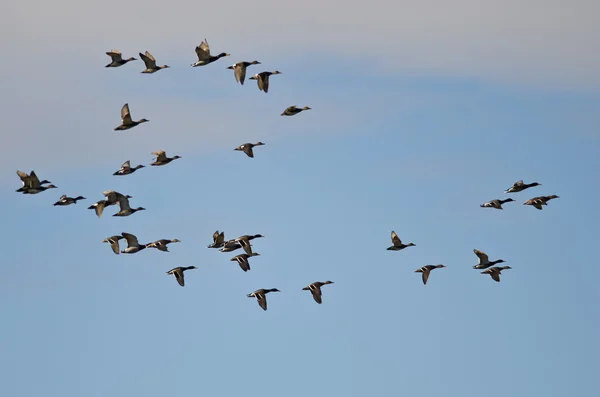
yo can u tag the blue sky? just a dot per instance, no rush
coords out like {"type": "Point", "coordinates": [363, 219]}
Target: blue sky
{"type": "Point", "coordinates": [415, 149]}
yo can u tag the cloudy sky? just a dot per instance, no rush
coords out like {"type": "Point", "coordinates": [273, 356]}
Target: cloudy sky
{"type": "Point", "coordinates": [421, 111]}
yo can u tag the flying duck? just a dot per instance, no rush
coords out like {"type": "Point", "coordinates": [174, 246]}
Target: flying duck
{"type": "Point", "coordinates": [29, 181]}
{"type": "Point", "coordinates": [519, 186]}
{"type": "Point", "coordinates": [218, 240]}
{"type": "Point", "coordinates": [260, 295]}
{"type": "Point", "coordinates": [537, 202]}
{"type": "Point", "coordinates": [495, 272]}
{"type": "Point", "coordinates": [426, 270]}
{"type": "Point", "coordinates": [178, 273]}
{"type": "Point", "coordinates": [133, 245]}
{"type": "Point", "coordinates": [162, 159]}
{"type": "Point", "coordinates": [114, 243]}
{"type": "Point", "coordinates": [112, 198]}
{"type": "Point", "coordinates": [126, 168]}
{"type": "Point", "coordinates": [125, 209]}
{"type": "Point", "coordinates": [484, 261]}
{"type": "Point", "coordinates": [126, 120]}
{"type": "Point", "coordinates": [247, 148]}
{"type": "Point", "coordinates": [293, 110]}
{"type": "Point", "coordinates": [162, 244]}
{"type": "Point", "coordinates": [242, 260]}
{"type": "Point", "coordinates": [64, 200]}
{"type": "Point", "coordinates": [262, 80]}
{"type": "Point", "coordinates": [315, 289]}
{"type": "Point", "coordinates": [150, 63]}
{"type": "Point", "coordinates": [497, 204]}
{"type": "Point", "coordinates": [239, 70]}
{"type": "Point", "coordinates": [397, 243]}
{"type": "Point", "coordinates": [116, 59]}
{"type": "Point", "coordinates": [204, 57]}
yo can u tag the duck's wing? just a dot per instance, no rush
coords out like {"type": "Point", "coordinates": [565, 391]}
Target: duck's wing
{"type": "Point", "coordinates": [126, 165]}
{"type": "Point", "coordinates": [483, 258]}
{"type": "Point", "coordinates": [243, 262]}
{"type": "Point", "coordinates": [160, 155]}
{"type": "Point", "coordinates": [425, 275]}
{"type": "Point", "coordinates": [203, 51]}
{"type": "Point", "coordinates": [123, 203]}
{"type": "Point", "coordinates": [316, 293]}
{"type": "Point", "coordinates": [262, 300]}
{"type": "Point", "coordinates": [396, 240]}
{"type": "Point", "coordinates": [114, 243]}
{"type": "Point", "coordinates": [518, 183]}
{"type": "Point", "coordinates": [495, 276]}
{"type": "Point", "coordinates": [126, 115]}
{"type": "Point", "coordinates": [132, 240]}
{"type": "Point", "coordinates": [220, 239]}
{"type": "Point", "coordinates": [99, 208]}
{"type": "Point", "coordinates": [179, 277]}
{"type": "Point", "coordinates": [149, 60]}
{"type": "Point", "coordinates": [24, 177]}
{"type": "Point", "coordinates": [240, 73]}
{"type": "Point", "coordinates": [538, 204]}
{"type": "Point", "coordinates": [245, 243]}
{"type": "Point", "coordinates": [115, 56]}
{"type": "Point", "coordinates": [263, 82]}
{"type": "Point", "coordinates": [248, 150]}
{"type": "Point", "coordinates": [34, 182]}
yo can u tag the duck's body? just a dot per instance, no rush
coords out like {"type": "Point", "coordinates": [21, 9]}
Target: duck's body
{"type": "Point", "coordinates": [114, 243]}
{"type": "Point", "coordinates": [127, 169]}
{"type": "Point", "coordinates": [426, 270]}
{"type": "Point", "coordinates": [247, 148]}
{"type": "Point", "coordinates": [484, 261]}
{"type": "Point", "coordinates": [239, 70]}
{"type": "Point", "coordinates": [150, 63]}
{"type": "Point", "coordinates": [519, 186]}
{"type": "Point", "coordinates": [293, 110]}
{"type": "Point", "coordinates": [497, 204]}
{"type": "Point", "coordinates": [229, 246]}
{"type": "Point", "coordinates": [64, 200]}
{"type": "Point", "coordinates": [133, 245]}
{"type": "Point", "coordinates": [126, 120]}
{"type": "Point", "coordinates": [262, 80]}
{"type": "Point", "coordinates": [36, 190]}
{"type": "Point", "coordinates": [218, 240]}
{"type": "Point", "coordinates": [397, 244]}
{"type": "Point", "coordinates": [537, 202]}
{"type": "Point", "coordinates": [495, 272]}
{"type": "Point", "coordinates": [162, 159]}
{"type": "Point", "coordinates": [117, 59]}
{"type": "Point", "coordinates": [162, 244]}
{"type": "Point", "coordinates": [178, 273]}
{"type": "Point", "coordinates": [204, 57]}
{"type": "Point", "coordinates": [30, 182]}
{"type": "Point", "coordinates": [260, 295]}
{"type": "Point", "coordinates": [315, 289]}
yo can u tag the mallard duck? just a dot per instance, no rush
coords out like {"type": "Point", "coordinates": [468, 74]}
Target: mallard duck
{"type": "Point", "coordinates": [204, 57]}
{"type": "Point", "coordinates": [126, 168]}
{"type": "Point", "coordinates": [537, 202]}
{"type": "Point", "coordinates": [426, 270]}
{"type": "Point", "coordinates": [64, 200]}
{"type": "Point", "coordinates": [150, 63]}
{"type": "Point", "coordinates": [519, 186]}
{"type": "Point", "coordinates": [133, 245]}
{"type": "Point", "coordinates": [262, 80]}
{"type": "Point", "coordinates": [112, 198]}
{"type": "Point", "coordinates": [260, 295]}
{"type": "Point", "coordinates": [239, 70]}
{"type": "Point", "coordinates": [397, 243]}
{"type": "Point", "coordinates": [293, 110]}
{"type": "Point", "coordinates": [114, 243]}
{"type": "Point", "coordinates": [497, 204]}
{"type": "Point", "coordinates": [247, 148]}
{"type": "Point", "coordinates": [242, 260]}
{"type": "Point", "coordinates": [117, 59]}
{"type": "Point", "coordinates": [125, 209]}
{"type": "Point", "coordinates": [162, 244]}
{"type": "Point", "coordinates": [484, 261]}
{"type": "Point", "coordinates": [495, 272]}
{"type": "Point", "coordinates": [36, 190]}
{"type": "Point", "coordinates": [162, 159]}
{"type": "Point", "coordinates": [315, 289]}
{"type": "Point", "coordinates": [218, 240]}
{"type": "Point", "coordinates": [178, 273]}
{"type": "Point", "coordinates": [126, 120]}
{"type": "Point", "coordinates": [30, 181]}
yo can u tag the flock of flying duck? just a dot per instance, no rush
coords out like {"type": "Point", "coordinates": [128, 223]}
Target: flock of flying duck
{"type": "Point", "coordinates": [32, 185]}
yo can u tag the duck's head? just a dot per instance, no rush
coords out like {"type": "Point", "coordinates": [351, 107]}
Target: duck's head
{"type": "Point", "coordinates": [508, 200]}
{"type": "Point", "coordinates": [128, 196]}
{"type": "Point", "coordinates": [131, 59]}
{"type": "Point", "coordinates": [506, 267]}
{"type": "Point", "coordinates": [328, 282]}
{"type": "Point", "coordinates": [255, 254]}
{"type": "Point", "coordinates": [500, 261]}
{"type": "Point", "coordinates": [139, 166]}
{"type": "Point", "coordinates": [231, 67]}
{"type": "Point", "coordinates": [44, 182]}
{"type": "Point", "coordinates": [140, 209]}
{"type": "Point", "coordinates": [259, 144]}
{"type": "Point", "coordinates": [277, 72]}
{"type": "Point", "coordinates": [410, 245]}
{"type": "Point", "coordinates": [255, 77]}
{"type": "Point", "coordinates": [440, 266]}
{"type": "Point", "coordinates": [144, 120]}
{"type": "Point", "coordinates": [191, 267]}
{"type": "Point", "coordinates": [176, 157]}
{"type": "Point", "coordinates": [223, 54]}
{"type": "Point", "coordinates": [50, 187]}
{"type": "Point", "coordinates": [535, 184]}
{"type": "Point", "coordinates": [306, 108]}
{"type": "Point", "coordinates": [79, 198]}
{"type": "Point", "coordinates": [274, 290]}
{"type": "Point", "coordinates": [175, 240]}
{"type": "Point", "coordinates": [165, 66]}
{"type": "Point", "coordinates": [258, 235]}
{"type": "Point", "coordinates": [254, 63]}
